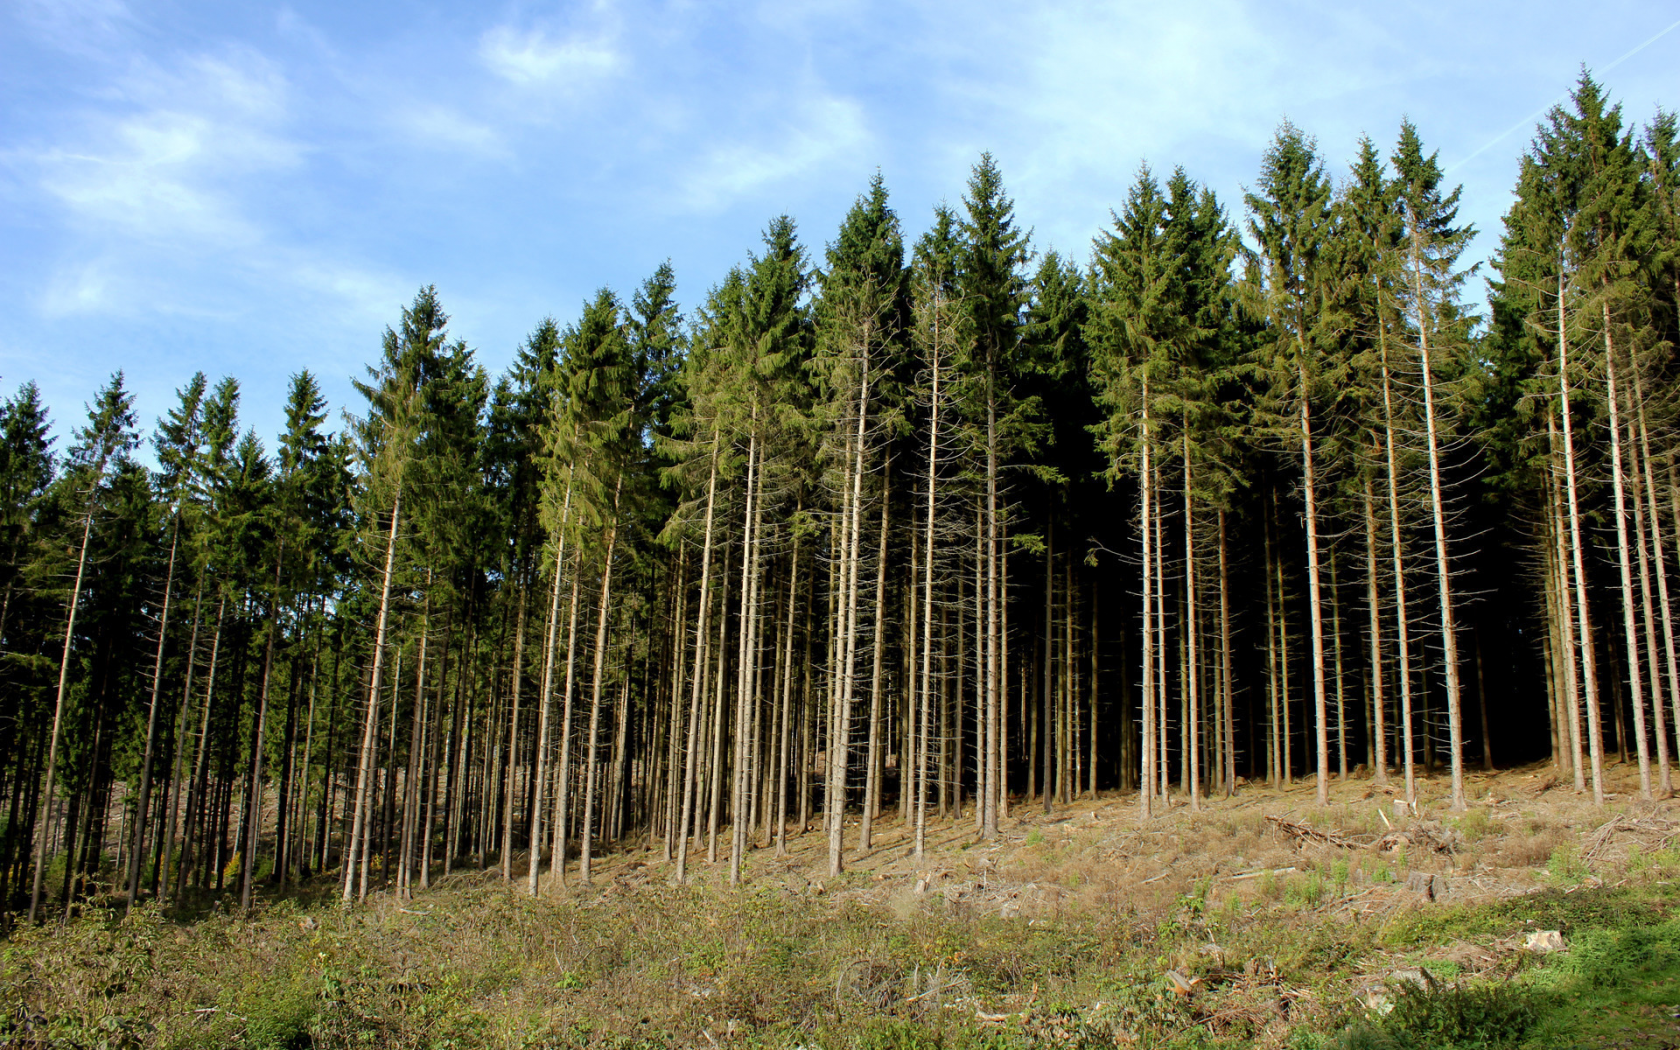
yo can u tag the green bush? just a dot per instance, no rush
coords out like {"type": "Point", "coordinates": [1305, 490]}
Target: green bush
{"type": "Point", "coordinates": [1477, 1017]}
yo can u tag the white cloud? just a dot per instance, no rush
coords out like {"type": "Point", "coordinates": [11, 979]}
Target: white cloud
{"type": "Point", "coordinates": [78, 26]}
{"type": "Point", "coordinates": [818, 130]}
{"type": "Point", "coordinates": [162, 165]}
{"type": "Point", "coordinates": [443, 127]}
{"type": "Point", "coordinates": [532, 58]}
{"type": "Point", "coordinates": [81, 289]}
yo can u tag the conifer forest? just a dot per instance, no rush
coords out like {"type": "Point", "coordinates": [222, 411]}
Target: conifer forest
{"type": "Point", "coordinates": [878, 529]}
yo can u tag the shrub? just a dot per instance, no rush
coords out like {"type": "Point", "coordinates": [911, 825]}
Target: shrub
{"type": "Point", "coordinates": [1481, 1017]}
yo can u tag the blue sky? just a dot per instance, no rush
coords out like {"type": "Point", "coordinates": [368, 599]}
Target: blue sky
{"type": "Point", "coordinates": [252, 189]}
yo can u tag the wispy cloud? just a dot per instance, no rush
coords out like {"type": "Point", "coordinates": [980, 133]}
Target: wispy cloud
{"type": "Point", "coordinates": [77, 26]}
{"type": "Point", "coordinates": [817, 130]}
{"type": "Point", "coordinates": [164, 164]}
{"type": "Point", "coordinates": [535, 58]}
{"type": "Point", "coordinates": [444, 127]}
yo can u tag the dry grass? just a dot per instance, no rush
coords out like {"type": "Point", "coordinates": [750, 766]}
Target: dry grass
{"type": "Point", "coordinates": [1064, 926]}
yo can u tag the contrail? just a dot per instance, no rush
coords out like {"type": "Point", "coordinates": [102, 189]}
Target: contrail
{"type": "Point", "coordinates": [1528, 121]}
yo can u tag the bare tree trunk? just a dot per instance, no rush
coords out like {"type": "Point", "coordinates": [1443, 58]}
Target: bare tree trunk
{"type": "Point", "coordinates": [248, 862]}
{"type": "Point", "coordinates": [672, 806]}
{"type": "Point", "coordinates": [786, 743]}
{"type": "Point", "coordinates": [1595, 743]}
{"type": "Point", "coordinates": [1443, 572]}
{"type": "Point", "coordinates": [58, 708]}
{"type": "Point", "coordinates": [928, 549]}
{"type": "Point", "coordinates": [1379, 731]}
{"type": "Point", "coordinates": [160, 877]}
{"type": "Point", "coordinates": [746, 671]}
{"type": "Point", "coordinates": [196, 799]}
{"type": "Point", "coordinates": [1192, 658]}
{"type": "Point", "coordinates": [697, 685]}
{"type": "Point", "coordinates": [1624, 563]}
{"type": "Point", "coordinates": [991, 740]}
{"type": "Point", "coordinates": [515, 680]}
{"type": "Point", "coordinates": [1314, 600]}
{"type": "Point", "coordinates": [1146, 506]}
{"type": "Point", "coordinates": [1657, 556]}
{"type": "Point", "coordinates": [1163, 725]}
{"type": "Point", "coordinates": [872, 772]}
{"type": "Point", "coordinates": [416, 754]}
{"type": "Point", "coordinates": [357, 834]}
{"type": "Point", "coordinates": [1274, 690]}
{"type": "Point", "coordinates": [1566, 603]}
{"type": "Point", "coordinates": [545, 698]}
{"type": "Point", "coordinates": [138, 849]}
{"type": "Point", "coordinates": [1341, 690]}
{"type": "Point", "coordinates": [840, 731]}
{"type": "Point", "coordinates": [601, 619]}
{"type": "Point", "coordinates": [1227, 686]}
{"type": "Point", "coordinates": [1482, 705]}
{"type": "Point", "coordinates": [1402, 626]}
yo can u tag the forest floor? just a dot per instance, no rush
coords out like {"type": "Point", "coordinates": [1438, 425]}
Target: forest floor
{"type": "Point", "coordinates": [1262, 920]}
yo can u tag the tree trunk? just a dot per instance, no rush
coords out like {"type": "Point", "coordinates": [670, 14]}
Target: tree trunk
{"type": "Point", "coordinates": [1402, 626]}
{"type": "Point", "coordinates": [700, 637]}
{"type": "Point", "coordinates": [1595, 743]}
{"type": "Point", "coordinates": [746, 660]}
{"type": "Point", "coordinates": [1146, 505]}
{"type": "Point", "coordinates": [1566, 604]}
{"type": "Point", "coordinates": [58, 707]}
{"type": "Point", "coordinates": [1192, 658]}
{"type": "Point", "coordinates": [872, 771]}
{"type": "Point", "coordinates": [138, 850]}
{"type": "Point", "coordinates": [248, 861]}
{"type": "Point", "coordinates": [601, 619]}
{"type": "Point", "coordinates": [515, 680]}
{"type": "Point", "coordinates": [1314, 601]}
{"type": "Point", "coordinates": [545, 698]}
{"type": "Point", "coordinates": [1625, 565]}
{"type": "Point", "coordinates": [357, 838]}
{"type": "Point", "coordinates": [1443, 572]}
{"type": "Point", "coordinates": [1379, 730]}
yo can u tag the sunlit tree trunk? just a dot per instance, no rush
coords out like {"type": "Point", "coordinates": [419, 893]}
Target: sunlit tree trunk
{"type": "Point", "coordinates": [1624, 563]}
{"type": "Point", "coordinates": [697, 683]}
{"type": "Point", "coordinates": [1589, 673]}
{"type": "Point", "coordinates": [358, 836]}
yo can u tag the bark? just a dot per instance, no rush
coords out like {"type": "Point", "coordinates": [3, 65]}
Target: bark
{"type": "Point", "coordinates": [248, 861]}
{"type": "Point", "coordinates": [697, 685]}
{"type": "Point", "coordinates": [1192, 658]}
{"type": "Point", "coordinates": [1314, 600]}
{"type": "Point", "coordinates": [1625, 565]}
{"type": "Point", "coordinates": [138, 849]}
{"type": "Point", "coordinates": [545, 701]}
{"type": "Point", "coordinates": [872, 771]}
{"type": "Point", "coordinates": [515, 680]}
{"type": "Point", "coordinates": [1379, 707]}
{"type": "Point", "coordinates": [596, 679]}
{"type": "Point", "coordinates": [1595, 743]}
{"type": "Point", "coordinates": [357, 838]}
{"type": "Point", "coordinates": [58, 705]}
{"type": "Point", "coordinates": [746, 659]}
{"type": "Point", "coordinates": [1146, 503]}
{"type": "Point", "coordinates": [1659, 559]}
{"type": "Point", "coordinates": [1443, 573]}
{"type": "Point", "coordinates": [1566, 604]}
{"type": "Point", "coordinates": [1402, 626]}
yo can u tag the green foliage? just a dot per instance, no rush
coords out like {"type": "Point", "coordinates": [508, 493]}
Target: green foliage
{"type": "Point", "coordinates": [1565, 864]}
{"type": "Point", "coordinates": [1436, 1017]}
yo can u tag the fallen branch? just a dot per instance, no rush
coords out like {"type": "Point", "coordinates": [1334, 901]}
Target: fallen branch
{"type": "Point", "coordinates": [1663, 831]}
{"type": "Point", "coordinates": [1305, 832]}
{"type": "Point", "coordinates": [1262, 871]}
